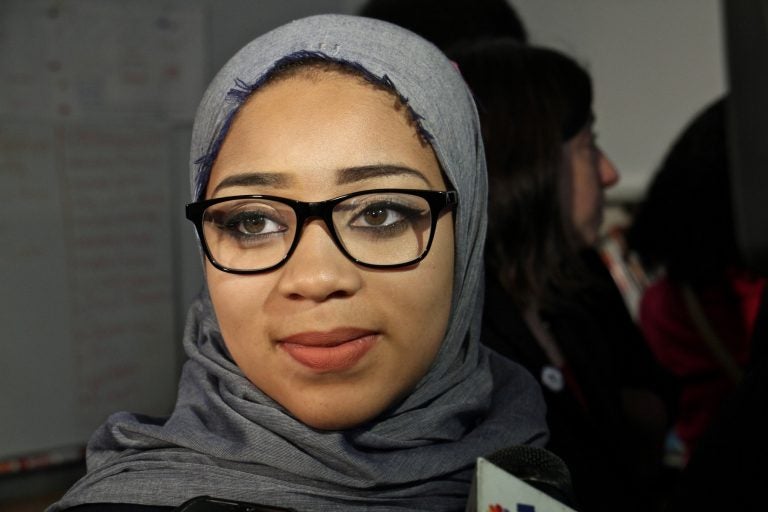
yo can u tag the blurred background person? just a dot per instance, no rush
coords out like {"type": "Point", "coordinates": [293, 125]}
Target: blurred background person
{"type": "Point", "coordinates": [727, 471]}
{"type": "Point", "coordinates": [448, 22]}
{"type": "Point", "coordinates": [698, 315]}
{"type": "Point", "coordinates": [550, 302]}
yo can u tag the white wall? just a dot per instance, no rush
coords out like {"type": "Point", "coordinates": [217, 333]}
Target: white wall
{"type": "Point", "coordinates": [654, 64]}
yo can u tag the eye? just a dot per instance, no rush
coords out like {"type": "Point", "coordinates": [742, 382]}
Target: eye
{"type": "Point", "coordinates": [378, 215]}
{"type": "Point", "coordinates": [253, 223]}
{"type": "Point", "coordinates": [249, 221]}
{"type": "Point", "coordinates": [381, 216]}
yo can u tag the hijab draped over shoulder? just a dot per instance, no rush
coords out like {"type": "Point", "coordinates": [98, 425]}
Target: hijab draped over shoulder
{"type": "Point", "coordinates": [226, 438]}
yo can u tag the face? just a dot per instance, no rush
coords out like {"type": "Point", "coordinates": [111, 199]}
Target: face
{"type": "Point", "coordinates": [587, 172]}
{"type": "Point", "coordinates": [333, 342]}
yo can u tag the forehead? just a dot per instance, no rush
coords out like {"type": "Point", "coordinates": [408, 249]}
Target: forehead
{"type": "Point", "coordinates": [309, 126]}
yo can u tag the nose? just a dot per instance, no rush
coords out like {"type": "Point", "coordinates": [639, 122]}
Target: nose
{"type": "Point", "coordinates": [317, 270]}
{"type": "Point", "coordinates": [609, 175]}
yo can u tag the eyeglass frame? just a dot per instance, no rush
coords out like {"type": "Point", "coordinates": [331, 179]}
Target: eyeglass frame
{"type": "Point", "coordinates": [438, 200]}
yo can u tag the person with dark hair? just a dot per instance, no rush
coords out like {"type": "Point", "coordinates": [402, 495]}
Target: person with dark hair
{"type": "Point", "coordinates": [449, 22]}
{"type": "Point", "coordinates": [338, 192]}
{"type": "Point", "coordinates": [698, 314]}
{"type": "Point", "coordinates": [550, 302]}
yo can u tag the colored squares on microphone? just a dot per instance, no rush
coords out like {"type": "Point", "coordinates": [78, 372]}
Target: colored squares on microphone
{"type": "Point", "coordinates": [520, 508]}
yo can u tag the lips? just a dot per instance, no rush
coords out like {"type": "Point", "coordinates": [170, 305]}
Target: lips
{"type": "Point", "coordinates": [335, 350]}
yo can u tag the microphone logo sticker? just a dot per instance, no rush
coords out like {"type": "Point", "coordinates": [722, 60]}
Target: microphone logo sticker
{"type": "Point", "coordinates": [520, 508]}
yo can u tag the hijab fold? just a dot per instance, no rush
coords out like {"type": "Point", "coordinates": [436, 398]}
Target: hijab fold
{"type": "Point", "coordinates": [226, 438]}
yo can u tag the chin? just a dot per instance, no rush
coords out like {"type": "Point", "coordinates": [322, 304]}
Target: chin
{"type": "Point", "coordinates": [333, 409]}
{"type": "Point", "coordinates": [587, 237]}
{"type": "Point", "coordinates": [333, 420]}
{"type": "Point", "coordinates": [589, 241]}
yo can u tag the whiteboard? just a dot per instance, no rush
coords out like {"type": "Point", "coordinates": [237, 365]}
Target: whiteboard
{"type": "Point", "coordinates": [95, 100]}
{"type": "Point", "coordinates": [88, 305]}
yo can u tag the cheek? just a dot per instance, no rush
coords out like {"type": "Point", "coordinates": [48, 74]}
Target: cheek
{"type": "Point", "coordinates": [588, 192]}
{"type": "Point", "coordinates": [586, 206]}
{"type": "Point", "coordinates": [237, 301]}
{"type": "Point", "coordinates": [428, 290]}
{"type": "Point", "coordinates": [566, 188]}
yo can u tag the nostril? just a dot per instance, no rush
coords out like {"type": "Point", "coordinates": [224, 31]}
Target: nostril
{"type": "Point", "coordinates": [339, 294]}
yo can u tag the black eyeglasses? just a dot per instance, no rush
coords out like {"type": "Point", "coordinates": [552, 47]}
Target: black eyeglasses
{"type": "Point", "coordinates": [381, 228]}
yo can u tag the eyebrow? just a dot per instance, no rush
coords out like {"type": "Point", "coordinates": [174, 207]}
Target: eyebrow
{"type": "Point", "coordinates": [344, 176]}
{"type": "Point", "coordinates": [365, 172]}
{"type": "Point", "coordinates": [250, 179]}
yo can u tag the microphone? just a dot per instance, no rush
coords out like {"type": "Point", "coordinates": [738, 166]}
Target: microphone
{"type": "Point", "coordinates": [521, 479]}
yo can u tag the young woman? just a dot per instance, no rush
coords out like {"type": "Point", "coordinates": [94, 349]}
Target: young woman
{"type": "Point", "coordinates": [334, 358]}
{"type": "Point", "coordinates": [550, 303]}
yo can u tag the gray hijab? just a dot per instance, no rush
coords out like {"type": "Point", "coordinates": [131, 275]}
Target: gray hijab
{"type": "Point", "coordinates": [228, 439]}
